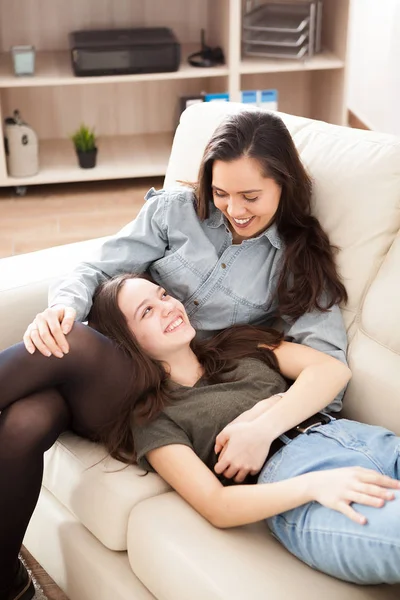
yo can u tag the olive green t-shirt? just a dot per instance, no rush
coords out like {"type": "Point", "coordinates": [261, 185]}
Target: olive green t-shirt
{"type": "Point", "coordinates": [198, 414]}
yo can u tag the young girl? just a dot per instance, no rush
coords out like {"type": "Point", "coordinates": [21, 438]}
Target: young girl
{"type": "Point", "coordinates": [200, 418]}
{"type": "Point", "coordinates": [241, 248]}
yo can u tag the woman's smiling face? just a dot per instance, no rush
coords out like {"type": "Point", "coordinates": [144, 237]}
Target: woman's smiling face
{"type": "Point", "coordinates": [158, 321]}
{"type": "Point", "coordinates": [247, 199]}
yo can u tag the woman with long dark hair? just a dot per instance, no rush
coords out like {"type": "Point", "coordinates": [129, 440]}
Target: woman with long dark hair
{"type": "Point", "coordinates": [200, 418]}
{"type": "Point", "coordinates": [242, 247]}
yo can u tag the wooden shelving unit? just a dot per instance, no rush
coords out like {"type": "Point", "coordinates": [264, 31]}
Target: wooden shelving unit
{"type": "Point", "coordinates": [54, 68]}
{"type": "Point", "coordinates": [120, 157]}
{"type": "Point", "coordinates": [320, 62]}
{"type": "Point", "coordinates": [135, 115]}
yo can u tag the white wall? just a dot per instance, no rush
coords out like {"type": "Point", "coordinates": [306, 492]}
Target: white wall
{"type": "Point", "coordinates": [374, 64]}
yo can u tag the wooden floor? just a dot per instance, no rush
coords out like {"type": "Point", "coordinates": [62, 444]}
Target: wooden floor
{"type": "Point", "coordinates": [50, 589]}
{"type": "Point", "coordinates": [51, 215]}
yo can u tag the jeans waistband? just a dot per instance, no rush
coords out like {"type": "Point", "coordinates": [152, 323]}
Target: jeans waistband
{"type": "Point", "coordinates": [319, 418]}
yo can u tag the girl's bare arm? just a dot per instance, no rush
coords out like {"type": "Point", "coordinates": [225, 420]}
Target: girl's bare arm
{"type": "Point", "coordinates": [241, 504]}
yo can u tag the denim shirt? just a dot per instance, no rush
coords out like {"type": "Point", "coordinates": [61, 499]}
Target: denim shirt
{"type": "Point", "coordinates": [219, 283]}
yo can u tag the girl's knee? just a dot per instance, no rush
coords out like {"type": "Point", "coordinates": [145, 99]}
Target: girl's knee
{"type": "Point", "coordinates": [79, 334]}
{"type": "Point", "coordinates": [34, 423]}
{"type": "Point", "coordinates": [86, 344]}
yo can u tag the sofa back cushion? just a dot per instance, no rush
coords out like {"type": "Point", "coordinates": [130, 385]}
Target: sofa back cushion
{"type": "Point", "coordinates": [356, 177]}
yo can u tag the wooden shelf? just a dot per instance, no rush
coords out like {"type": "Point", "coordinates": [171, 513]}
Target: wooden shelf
{"type": "Point", "coordinates": [119, 157]}
{"type": "Point", "coordinates": [324, 60]}
{"type": "Point", "coordinates": [54, 68]}
{"type": "Point", "coordinates": [54, 101]}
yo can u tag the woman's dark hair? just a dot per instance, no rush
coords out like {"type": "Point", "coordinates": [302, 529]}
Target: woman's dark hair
{"type": "Point", "coordinates": [308, 278]}
{"type": "Point", "coordinates": [151, 390]}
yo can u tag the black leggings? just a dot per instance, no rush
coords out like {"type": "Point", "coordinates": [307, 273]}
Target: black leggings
{"type": "Point", "coordinates": [40, 398]}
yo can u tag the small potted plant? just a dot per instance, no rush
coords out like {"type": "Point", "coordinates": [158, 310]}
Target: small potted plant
{"type": "Point", "coordinates": [84, 141]}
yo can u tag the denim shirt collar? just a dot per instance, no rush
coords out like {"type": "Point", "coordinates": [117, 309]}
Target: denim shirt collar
{"type": "Point", "coordinates": [216, 219]}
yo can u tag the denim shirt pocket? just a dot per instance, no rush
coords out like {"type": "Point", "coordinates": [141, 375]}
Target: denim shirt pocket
{"type": "Point", "coordinates": [251, 306]}
{"type": "Point", "coordinates": [252, 283]}
{"type": "Point", "coordinates": [175, 274]}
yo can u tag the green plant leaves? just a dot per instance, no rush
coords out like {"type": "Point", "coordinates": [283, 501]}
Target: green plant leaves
{"type": "Point", "coordinates": [84, 139]}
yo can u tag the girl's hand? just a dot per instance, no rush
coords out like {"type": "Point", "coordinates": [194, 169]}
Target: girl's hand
{"type": "Point", "coordinates": [47, 331]}
{"type": "Point", "coordinates": [249, 415]}
{"type": "Point", "coordinates": [339, 488]}
{"type": "Point", "coordinates": [245, 449]}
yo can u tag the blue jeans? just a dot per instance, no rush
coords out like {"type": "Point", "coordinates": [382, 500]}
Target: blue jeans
{"type": "Point", "coordinates": [324, 539]}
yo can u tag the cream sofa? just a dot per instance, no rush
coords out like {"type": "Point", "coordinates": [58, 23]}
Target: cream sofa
{"type": "Point", "coordinates": [108, 534]}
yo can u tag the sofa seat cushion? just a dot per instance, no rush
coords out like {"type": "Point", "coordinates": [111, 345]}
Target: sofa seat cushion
{"type": "Point", "coordinates": [99, 491]}
{"type": "Point", "coordinates": [178, 554]}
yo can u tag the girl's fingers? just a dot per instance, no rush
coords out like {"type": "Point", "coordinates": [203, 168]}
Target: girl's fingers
{"type": "Point", "coordinates": [352, 514]}
{"type": "Point", "coordinates": [370, 476]}
{"type": "Point", "coordinates": [376, 490]}
{"type": "Point", "coordinates": [222, 438]}
{"type": "Point", "coordinates": [222, 463]}
{"type": "Point", "coordinates": [366, 499]}
{"type": "Point", "coordinates": [231, 472]}
{"type": "Point", "coordinates": [241, 476]}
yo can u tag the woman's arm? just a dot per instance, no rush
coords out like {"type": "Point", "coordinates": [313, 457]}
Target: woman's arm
{"type": "Point", "coordinates": [238, 505]}
{"type": "Point", "coordinates": [133, 249]}
{"type": "Point", "coordinates": [324, 331]}
{"type": "Point", "coordinates": [258, 409]}
{"type": "Point", "coordinates": [318, 378]}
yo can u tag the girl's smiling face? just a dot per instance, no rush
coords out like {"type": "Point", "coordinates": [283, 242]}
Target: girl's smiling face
{"type": "Point", "coordinates": [158, 321]}
{"type": "Point", "coordinates": [247, 199]}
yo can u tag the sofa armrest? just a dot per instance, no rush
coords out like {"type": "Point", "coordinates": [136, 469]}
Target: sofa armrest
{"type": "Point", "coordinates": [24, 282]}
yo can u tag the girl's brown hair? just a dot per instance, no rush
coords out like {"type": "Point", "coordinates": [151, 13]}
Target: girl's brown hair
{"type": "Point", "coordinates": [151, 390]}
{"type": "Point", "coordinates": [308, 279]}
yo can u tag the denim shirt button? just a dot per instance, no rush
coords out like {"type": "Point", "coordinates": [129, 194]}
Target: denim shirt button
{"type": "Point", "coordinates": [223, 265]}
{"type": "Point", "coordinates": [196, 302]}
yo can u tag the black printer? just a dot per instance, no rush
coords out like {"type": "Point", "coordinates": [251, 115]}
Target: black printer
{"type": "Point", "coordinates": [124, 51]}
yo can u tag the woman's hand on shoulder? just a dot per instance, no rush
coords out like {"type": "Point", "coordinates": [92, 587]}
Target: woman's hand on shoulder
{"type": "Point", "coordinates": [48, 329]}
{"type": "Point", "coordinates": [339, 488]}
{"type": "Point", "coordinates": [244, 450]}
